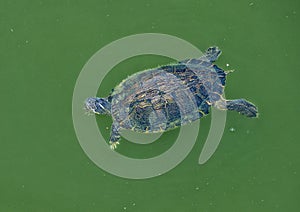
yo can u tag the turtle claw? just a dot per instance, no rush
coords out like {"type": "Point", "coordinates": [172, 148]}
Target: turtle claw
{"type": "Point", "coordinates": [113, 145]}
{"type": "Point", "coordinates": [229, 71]}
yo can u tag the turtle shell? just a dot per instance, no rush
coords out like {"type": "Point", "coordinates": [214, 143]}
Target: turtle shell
{"type": "Point", "coordinates": [166, 97]}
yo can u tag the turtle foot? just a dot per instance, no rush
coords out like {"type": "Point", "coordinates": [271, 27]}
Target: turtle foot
{"type": "Point", "coordinates": [243, 107]}
{"type": "Point", "coordinates": [113, 145]}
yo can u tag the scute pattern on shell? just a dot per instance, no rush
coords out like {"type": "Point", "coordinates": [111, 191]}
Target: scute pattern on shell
{"type": "Point", "coordinates": [168, 96]}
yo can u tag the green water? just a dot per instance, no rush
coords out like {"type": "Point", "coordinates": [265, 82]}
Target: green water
{"type": "Point", "coordinates": [45, 44]}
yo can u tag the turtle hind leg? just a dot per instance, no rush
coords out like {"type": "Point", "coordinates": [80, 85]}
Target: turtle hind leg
{"type": "Point", "coordinates": [114, 136]}
{"type": "Point", "coordinates": [212, 53]}
{"type": "Point", "coordinates": [243, 107]}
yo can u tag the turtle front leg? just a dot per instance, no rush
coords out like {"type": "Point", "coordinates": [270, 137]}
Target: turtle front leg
{"type": "Point", "coordinates": [114, 136]}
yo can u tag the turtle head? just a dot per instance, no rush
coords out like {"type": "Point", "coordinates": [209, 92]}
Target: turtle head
{"type": "Point", "coordinates": [97, 105]}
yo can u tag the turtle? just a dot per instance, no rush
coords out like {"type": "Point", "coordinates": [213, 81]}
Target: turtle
{"type": "Point", "coordinates": [169, 96]}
